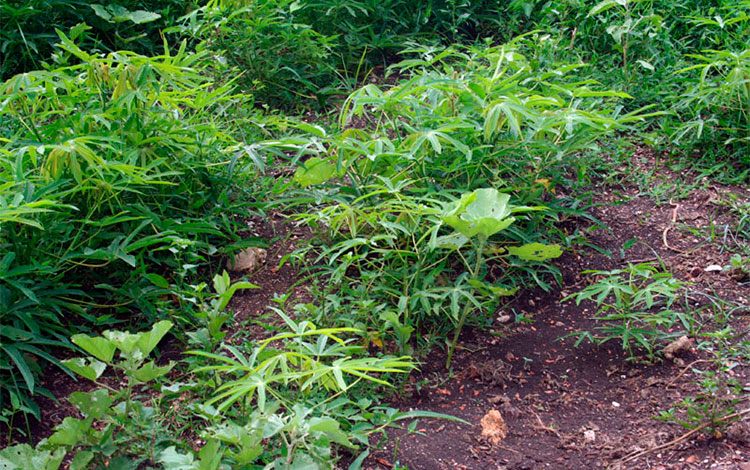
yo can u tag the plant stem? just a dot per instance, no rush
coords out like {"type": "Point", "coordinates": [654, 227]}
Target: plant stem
{"type": "Point", "coordinates": [467, 307]}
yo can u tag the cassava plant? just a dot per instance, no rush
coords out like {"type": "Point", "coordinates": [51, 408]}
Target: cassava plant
{"type": "Point", "coordinates": [634, 305]}
{"type": "Point", "coordinates": [476, 217]}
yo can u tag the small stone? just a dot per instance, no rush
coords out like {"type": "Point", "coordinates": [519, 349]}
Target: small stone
{"type": "Point", "coordinates": [247, 260]}
{"type": "Point", "coordinates": [503, 319]}
{"type": "Point", "coordinates": [680, 344]}
{"type": "Point", "coordinates": [615, 404]}
{"type": "Point", "coordinates": [589, 436]}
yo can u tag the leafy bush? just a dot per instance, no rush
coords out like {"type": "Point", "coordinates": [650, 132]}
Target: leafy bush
{"type": "Point", "coordinates": [116, 181]}
{"type": "Point", "coordinates": [260, 44]}
{"type": "Point", "coordinates": [469, 118]}
{"type": "Point", "coordinates": [28, 36]}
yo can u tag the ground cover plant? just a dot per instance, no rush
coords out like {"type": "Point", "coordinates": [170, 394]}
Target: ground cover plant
{"type": "Point", "coordinates": [483, 234]}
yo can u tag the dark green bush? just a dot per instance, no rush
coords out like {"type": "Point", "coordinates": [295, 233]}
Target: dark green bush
{"type": "Point", "coordinates": [27, 36]}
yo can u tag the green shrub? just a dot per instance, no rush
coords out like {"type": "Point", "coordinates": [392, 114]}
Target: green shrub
{"type": "Point", "coordinates": [468, 118]}
{"type": "Point", "coordinates": [116, 182]}
{"type": "Point", "coordinates": [27, 37]}
{"type": "Point", "coordinates": [279, 61]}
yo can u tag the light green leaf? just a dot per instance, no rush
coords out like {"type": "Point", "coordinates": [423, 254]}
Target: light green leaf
{"type": "Point", "coordinates": [157, 280]}
{"type": "Point", "coordinates": [453, 241]}
{"type": "Point", "coordinates": [25, 457]}
{"type": "Point", "coordinates": [97, 346]}
{"type": "Point", "coordinates": [94, 404]}
{"type": "Point", "coordinates": [173, 460]}
{"type": "Point", "coordinates": [70, 432]}
{"type": "Point", "coordinates": [314, 171]}
{"type": "Point", "coordinates": [483, 212]}
{"type": "Point", "coordinates": [329, 427]}
{"type": "Point", "coordinates": [645, 65]}
{"type": "Point", "coordinates": [603, 6]}
{"type": "Point", "coordinates": [536, 251]}
{"type": "Point", "coordinates": [81, 460]}
{"type": "Point", "coordinates": [150, 371]}
{"type": "Point", "coordinates": [142, 16]}
{"type": "Point", "coordinates": [302, 462]}
{"type": "Point", "coordinates": [90, 369]}
{"type": "Point", "coordinates": [124, 341]}
{"type": "Point", "coordinates": [210, 455]}
{"type": "Point", "coordinates": [149, 339]}
{"type": "Point", "coordinates": [101, 12]}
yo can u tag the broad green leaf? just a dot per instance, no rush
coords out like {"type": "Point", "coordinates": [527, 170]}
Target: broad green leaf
{"type": "Point", "coordinates": [646, 65]}
{"type": "Point", "coordinates": [330, 427]}
{"type": "Point", "coordinates": [94, 404]}
{"type": "Point", "coordinates": [536, 251]}
{"type": "Point", "coordinates": [173, 460]}
{"type": "Point", "coordinates": [483, 212]}
{"type": "Point", "coordinates": [301, 462]}
{"type": "Point", "coordinates": [142, 16]}
{"type": "Point", "coordinates": [81, 460]}
{"type": "Point", "coordinates": [124, 341]}
{"type": "Point", "coordinates": [25, 457]}
{"type": "Point", "coordinates": [314, 171]}
{"type": "Point", "coordinates": [101, 12]}
{"type": "Point", "coordinates": [453, 241]}
{"type": "Point", "coordinates": [603, 6]}
{"type": "Point", "coordinates": [97, 346]}
{"type": "Point", "coordinates": [157, 280]}
{"type": "Point", "coordinates": [149, 339]}
{"type": "Point", "coordinates": [70, 432]}
{"type": "Point", "coordinates": [150, 371]}
{"type": "Point", "coordinates": [122, 462]}
{"type": "Point", "coordinates": [210, 455]}
{"type": "Point", "coordinates": [87, 368]}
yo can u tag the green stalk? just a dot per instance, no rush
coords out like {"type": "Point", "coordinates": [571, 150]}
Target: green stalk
{"type": "Point", "coordinates": [467, 307]}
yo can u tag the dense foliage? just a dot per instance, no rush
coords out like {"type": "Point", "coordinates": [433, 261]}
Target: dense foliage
{"type": "Point", "coordinates": [135, 139]}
